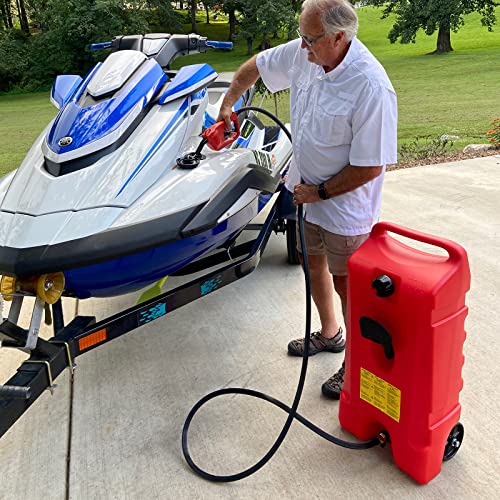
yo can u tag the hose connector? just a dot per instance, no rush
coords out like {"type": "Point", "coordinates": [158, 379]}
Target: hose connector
{"type": "Point", "coordinates": [383, 438]}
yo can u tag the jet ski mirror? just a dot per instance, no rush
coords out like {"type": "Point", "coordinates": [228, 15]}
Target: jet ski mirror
{"type": "Point", "coordinates": [217, 137]}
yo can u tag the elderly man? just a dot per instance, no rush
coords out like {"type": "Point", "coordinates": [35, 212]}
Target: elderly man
{"type": "Point", "coordinates": [344, 126]}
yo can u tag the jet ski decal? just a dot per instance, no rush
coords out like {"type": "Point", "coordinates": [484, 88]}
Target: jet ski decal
{"type": "Point", "coordinates": [189, 79]}
{"type": "Point", "coordinates": [95, 124]}
{"type": "Point", "coordinates": [175, 120]}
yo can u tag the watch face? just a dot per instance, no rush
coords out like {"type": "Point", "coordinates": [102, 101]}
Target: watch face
{"type": "Point", "coordinates": [322, 192]}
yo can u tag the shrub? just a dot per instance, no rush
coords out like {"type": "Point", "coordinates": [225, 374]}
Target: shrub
{"type": "Point", "coordinates": [13, 58]}
{"type": "Point", "coordinates": [494, 132]}
{"type": "Point", "coordinates": [424, 147]}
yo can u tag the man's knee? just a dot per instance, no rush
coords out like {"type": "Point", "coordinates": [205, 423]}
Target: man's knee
{"type": "Point", "coordinates": [318, 264]}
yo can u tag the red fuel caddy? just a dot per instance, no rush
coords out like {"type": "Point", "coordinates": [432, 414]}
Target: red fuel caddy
{"type": "Point", "coordinates": [404, 348]}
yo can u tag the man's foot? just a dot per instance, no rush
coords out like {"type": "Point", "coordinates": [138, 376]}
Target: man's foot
{"type": "Point", "coordinates": [317, 344]}
{"type": "Point", "coordinates": [334, 385]}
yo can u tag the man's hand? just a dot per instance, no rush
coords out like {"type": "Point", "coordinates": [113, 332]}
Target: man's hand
{"type": "Point", "coordinates": [225, 116]}
{"type": "Point", "coordinates": [304, 193]}
{"type": "Point", "coordinates": [348, 179]}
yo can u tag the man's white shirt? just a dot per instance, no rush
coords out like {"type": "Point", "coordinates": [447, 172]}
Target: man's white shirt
{"type": "Point", "coordinates": [345, 116]}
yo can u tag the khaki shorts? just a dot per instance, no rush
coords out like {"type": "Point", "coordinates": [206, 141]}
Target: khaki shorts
{"type": "Point", "coordinates": [336, 247]}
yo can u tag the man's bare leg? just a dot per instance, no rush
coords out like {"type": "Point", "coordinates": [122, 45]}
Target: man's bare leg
{"type": "Point", "coordinates": [340, 284]}
{"type": "Point", "coordinates": [322, 293]}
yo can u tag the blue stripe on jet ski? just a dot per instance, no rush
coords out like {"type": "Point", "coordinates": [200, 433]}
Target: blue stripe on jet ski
{"type": "Point", "coordinates": [188, 77]}
{"type": "Point", "coordinates": [155, 146]}
{"type": "Point", "coordinates": [209, 121]}
{"type": "Point", "coordinates": [86, 80]}
{"type": "Point", "coordinates": [243, 143]}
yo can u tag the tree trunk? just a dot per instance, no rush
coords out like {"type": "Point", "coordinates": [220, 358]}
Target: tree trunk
{"type": "Point", "coordinates": [249, 47]}
{"type": "Point", "coordinates": [193, 16]}
{"type": "Point", "coordinates": [8, 12]}
{"type": "Point", "coordinates": [232, 25]}
{"type": "Point", "coordinates": [443, 39]}
{"type": "Point", "coordinates": [208, 15]}
{"type": "Point", "coordinates": [3, 14]}
{"type": "Point", "coordinates": [23, 18]}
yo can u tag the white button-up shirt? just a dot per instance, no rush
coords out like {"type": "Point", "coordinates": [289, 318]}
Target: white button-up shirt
{"type": "Point", "coordinates": [345, 116]}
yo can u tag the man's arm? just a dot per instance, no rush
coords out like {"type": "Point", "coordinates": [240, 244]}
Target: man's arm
{"type": "Point", "coordinates": [245, 77]}
{"type": "Point", "coordinates": [348, 179]}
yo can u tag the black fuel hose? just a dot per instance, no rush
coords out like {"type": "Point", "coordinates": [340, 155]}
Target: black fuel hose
{"type": "Point", "coordinates": [292, 411]}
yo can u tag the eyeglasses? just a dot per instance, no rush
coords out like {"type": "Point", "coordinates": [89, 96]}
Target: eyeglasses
{"type": "Point", "coordinates": [310, 41]}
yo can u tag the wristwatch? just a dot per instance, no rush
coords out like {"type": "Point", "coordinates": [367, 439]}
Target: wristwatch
{"type": "Point", "coordinates": [323, 193]}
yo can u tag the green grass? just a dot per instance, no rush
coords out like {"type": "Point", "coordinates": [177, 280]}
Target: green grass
{"type": "Point", "coordinates": [455, 93]}
{"type": "Point", "coordinates": [22, 118]}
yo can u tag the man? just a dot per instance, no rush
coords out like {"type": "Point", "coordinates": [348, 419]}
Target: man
{"type": "Point", "coordinates": [344, 126]}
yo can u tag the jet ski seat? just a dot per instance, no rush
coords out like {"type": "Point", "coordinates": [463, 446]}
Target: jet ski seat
{"type": "Point", "coordinates": [131, 42]}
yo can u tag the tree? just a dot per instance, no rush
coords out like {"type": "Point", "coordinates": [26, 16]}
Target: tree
{"type": "Point", "coordinates": [23, 18]}
{"type": "Point", "coordinates": [432, 15]}
{"type": "Point", "coordinates": [264, 18]}
{"type": "Point", "coordinates": [208, 4]}
{"type": "Point", "coordinates": [6, 13]}
{"type": "Point", "coordinates": [192, 7]}
{"type": "Point", "coordinates": [230, 7]}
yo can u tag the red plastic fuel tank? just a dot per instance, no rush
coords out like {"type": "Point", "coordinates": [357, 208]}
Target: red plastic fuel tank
{"type": "Point", "coordinates": [406, 313]}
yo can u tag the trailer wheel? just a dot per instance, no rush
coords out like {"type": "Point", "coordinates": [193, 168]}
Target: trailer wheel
{"type": "Point", "coordinates": [453, 442]}
{"type": "Point", "coordinates": [291, 242]}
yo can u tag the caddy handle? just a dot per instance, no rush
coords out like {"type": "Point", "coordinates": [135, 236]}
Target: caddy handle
{"type": "Point", "coordinates": [454, 250]}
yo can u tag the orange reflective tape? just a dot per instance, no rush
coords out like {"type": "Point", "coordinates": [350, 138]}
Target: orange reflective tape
{"type": "Point", "coordinates": [92, 339]}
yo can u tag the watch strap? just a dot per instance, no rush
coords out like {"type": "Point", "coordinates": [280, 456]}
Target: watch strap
{"type": "Point", "coordinates": [323, 193]}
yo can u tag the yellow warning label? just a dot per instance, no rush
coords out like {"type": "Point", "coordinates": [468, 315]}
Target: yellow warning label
{"type": "Point", "coordinates": [380, 394]}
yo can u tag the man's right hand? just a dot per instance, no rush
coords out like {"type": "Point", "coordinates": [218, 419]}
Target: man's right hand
{"type": "Point", "coordinates": [225, 116]}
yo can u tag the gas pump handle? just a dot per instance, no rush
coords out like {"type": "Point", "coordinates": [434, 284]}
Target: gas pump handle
{"type": "Point", "coordinates": [455, 251]}
{"type": "Point", "coordinates": [375, 332]}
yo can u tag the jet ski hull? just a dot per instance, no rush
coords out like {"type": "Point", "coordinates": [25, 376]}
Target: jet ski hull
{"type": "Point", "coordinates": [133, 272]}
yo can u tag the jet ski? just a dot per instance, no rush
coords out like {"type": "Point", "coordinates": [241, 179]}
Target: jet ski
{"type": "Point", "coordinates": [121, 189]}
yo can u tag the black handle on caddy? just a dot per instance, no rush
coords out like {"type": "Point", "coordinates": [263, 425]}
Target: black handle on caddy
{"type": "Point", "coordinates": [14, 392]}
{"type": "Point", "coordinates": [375, 332]}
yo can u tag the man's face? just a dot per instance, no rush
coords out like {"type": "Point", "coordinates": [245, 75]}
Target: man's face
{"type": "Point", "coordinates": [321, 48]}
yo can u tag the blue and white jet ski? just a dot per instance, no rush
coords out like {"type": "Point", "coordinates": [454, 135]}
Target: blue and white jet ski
{"type": "Point", "coordinates": [101, 199]}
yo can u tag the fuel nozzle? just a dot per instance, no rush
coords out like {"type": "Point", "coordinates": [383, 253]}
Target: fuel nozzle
{"type": "Point", "coordinates": [217, 137]}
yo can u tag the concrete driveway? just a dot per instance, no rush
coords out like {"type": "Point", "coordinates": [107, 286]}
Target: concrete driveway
{"type": "Point", "coordinates": [114, 433]}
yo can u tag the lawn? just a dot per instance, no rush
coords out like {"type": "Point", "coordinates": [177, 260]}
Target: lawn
{"type": "Point", "coordinates": [455, 94]}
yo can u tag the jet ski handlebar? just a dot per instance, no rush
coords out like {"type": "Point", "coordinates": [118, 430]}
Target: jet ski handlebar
{"type": "Point", "coordinates": [162, 46]}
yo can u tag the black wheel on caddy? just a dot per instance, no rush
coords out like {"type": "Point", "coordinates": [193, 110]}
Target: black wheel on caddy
{"type": "Point", "coordinates": [291, 242]}
{"type": "Point", "coordinates": [453, 442]}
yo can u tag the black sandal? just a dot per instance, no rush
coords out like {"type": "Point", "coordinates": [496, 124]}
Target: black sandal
{"type": "Point", "coordinates": [318, 343]}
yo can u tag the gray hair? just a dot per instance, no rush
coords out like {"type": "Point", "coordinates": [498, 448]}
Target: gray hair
{"type": "Point", "coordinates": [336, 15]}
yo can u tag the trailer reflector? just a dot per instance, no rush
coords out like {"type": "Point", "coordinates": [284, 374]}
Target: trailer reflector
{"type": "Point", "coordinates": [92, 339]}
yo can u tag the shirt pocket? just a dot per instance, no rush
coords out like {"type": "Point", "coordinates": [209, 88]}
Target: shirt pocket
{"type": "Point", "coordinates": [332, 125]}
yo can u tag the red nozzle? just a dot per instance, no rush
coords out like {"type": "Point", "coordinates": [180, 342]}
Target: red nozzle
{"type": "Point", "coordinates": [218, 137]}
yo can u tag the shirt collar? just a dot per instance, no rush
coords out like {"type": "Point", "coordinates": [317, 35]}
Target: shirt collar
{"type": "Point", "coordinates": [348, 59]}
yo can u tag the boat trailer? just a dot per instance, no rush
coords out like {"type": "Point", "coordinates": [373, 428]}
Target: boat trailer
{"type": "Point", "coordinates": [50, 357]}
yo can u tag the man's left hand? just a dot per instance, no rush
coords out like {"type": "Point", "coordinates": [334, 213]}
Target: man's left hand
{"type": "Point", "coordinates": [304, 193]}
